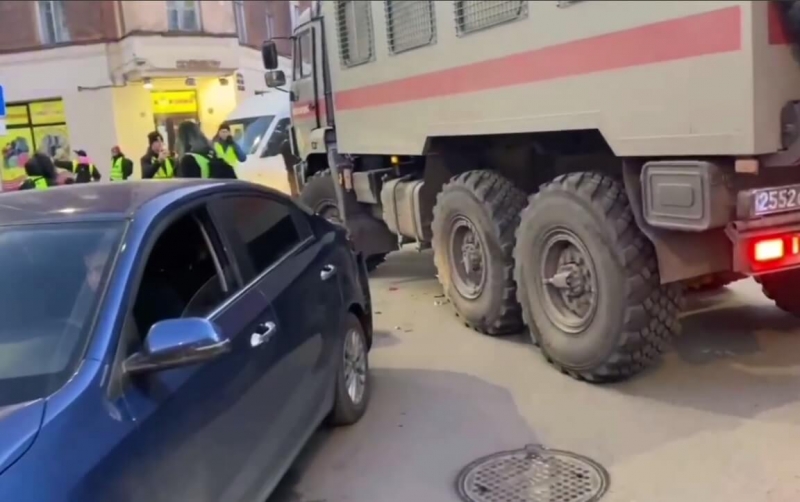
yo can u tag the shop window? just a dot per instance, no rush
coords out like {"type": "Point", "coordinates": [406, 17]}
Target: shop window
{"type": "Point", "coordinates": [476, 15]}
{"type": "Point", "coordinates": [31, 127]}
{"type": "Point", "coordinates": [183, 15]}
{"type": "Point", "coordinates": [409, 24]}
{"type": "Point", "coordinates": [52, 22]}
{"type": "Point", "coordinates": [354, 27]}
{"type": "Point", "coordinates": [241, 24]}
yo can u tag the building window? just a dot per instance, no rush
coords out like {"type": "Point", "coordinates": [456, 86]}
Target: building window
{"type": "Point", "coordinates": [476, 15]}
{"type": "Point", "coordinates": [409, 24]}
{"type": "Point", "coordinates": [53, 22]}
{"type": "Point", "coordinates": [270, 26]}
{"type": "Point", "coordinates": [296, 9]}
{"type": "Point", "coordinates": [183, 15]}
{"type": "Point", "coordinates": [241, 25]}
{"type": "Point", "coordinates": [354, 27]}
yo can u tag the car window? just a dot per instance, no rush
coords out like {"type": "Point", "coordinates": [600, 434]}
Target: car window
{"type": "Point", "coordinates": [53, 279]}
{"type": "Point", "coordinates": [248, 132]}
{"type": "Point", "coordinates": [268, 229]}
{"type": "Point", "coordinates": [279, 135]}
{"type": "Point", "coordinates": [185, 275]}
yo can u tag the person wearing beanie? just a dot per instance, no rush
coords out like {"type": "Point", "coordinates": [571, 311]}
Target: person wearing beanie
{"type": "Point", "coordinates": [157, 163]}
{"type": "Point", "coordinates": [82, 167]}
{"type": "Point", "coordinates": [226, 148]}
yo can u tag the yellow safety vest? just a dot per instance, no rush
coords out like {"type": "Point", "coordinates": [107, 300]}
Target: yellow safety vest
{"type": "Point", "coordinates": [75, 165]}
{"type": "Point", "coordinates": [116, 170]}
{"type": "Point", "coordinates": [167, 170]}
{"type": "Point", "coordinates": [227, 154]}
{"type": "Point", "coordinates": [203, 162]}
{"type": "Point", "coordinates": [40, 183]}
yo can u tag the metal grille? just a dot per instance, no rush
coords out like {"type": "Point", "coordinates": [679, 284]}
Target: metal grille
{"type": "Point", "coordinates": [409, 24]}
{"type": "Point", "coordinates": [475, 15]}
{"type": "Point", "coordinates": [533, 474]}
{"type": "Point", "coordinates": [354, 27]}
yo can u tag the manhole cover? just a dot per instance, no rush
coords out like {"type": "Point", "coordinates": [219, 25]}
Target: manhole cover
{"type": "Point", "coordinates": [532, 474]}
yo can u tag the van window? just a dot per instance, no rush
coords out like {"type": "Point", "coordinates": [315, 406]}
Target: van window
{"type": "Point", "coordinates": [279, 135]}
{"type": "Point", "coordinates": [248, 132]}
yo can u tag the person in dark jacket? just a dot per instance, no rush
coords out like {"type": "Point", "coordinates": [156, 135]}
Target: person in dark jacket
{"type": "Point", "coordinates": [82, 167]}
{"type": "Point", "coordinates": [226, 148]}
{"type": "Point", "coordinates": [157, 163]}
{"type": "Point", "coordinates": [121, 166]}
{"type": "Point", "coordinates": [41, 173]}
{"type": "Point", "coordinates": [197, 158]}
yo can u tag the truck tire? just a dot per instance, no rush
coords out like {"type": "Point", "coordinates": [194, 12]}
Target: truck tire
{"type": "Point", "coordinates": [781, 288]}
{"type": "Point", "coordinates": [319, 194]}
{"type": "Point", "coordinates": [474, 220]}
{"type": "Point", "coordinates": [587, 280]}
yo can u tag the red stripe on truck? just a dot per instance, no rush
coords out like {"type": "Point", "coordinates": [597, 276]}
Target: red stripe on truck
{"type": "Point", "coordinates": [776, 30]}
{"type": "Point", "coordinates": [714, 32]}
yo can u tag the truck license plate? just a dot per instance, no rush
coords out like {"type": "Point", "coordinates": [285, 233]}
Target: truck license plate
{"type": "Point", "coordinates": [775, 200]}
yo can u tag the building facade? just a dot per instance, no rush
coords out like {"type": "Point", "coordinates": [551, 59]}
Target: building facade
{"type": "Point", "coordinates": [91, 74]}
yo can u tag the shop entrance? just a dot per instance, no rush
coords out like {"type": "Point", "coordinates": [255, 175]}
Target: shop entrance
{"type": "Point", "coordinates": [170, 108]}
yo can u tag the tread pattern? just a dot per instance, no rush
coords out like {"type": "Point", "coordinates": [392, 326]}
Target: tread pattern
{"type": "Point", "coordinates": [651, 310]}
{"type": "Point", "coordinates": [781, 288]}
{"type": "Point", "coordinates": [503, 203]}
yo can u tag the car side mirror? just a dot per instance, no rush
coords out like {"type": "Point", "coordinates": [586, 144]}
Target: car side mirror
{"type": "Point", "coordinates": [175, 343]}
{"type": "Point", "coordinates": [275, 78]}
{"type": "Point", "coordinates": [269, 55]}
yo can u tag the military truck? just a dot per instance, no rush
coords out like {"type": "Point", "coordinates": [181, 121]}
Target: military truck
{"type": "Point", "coordinates": [573, 164]}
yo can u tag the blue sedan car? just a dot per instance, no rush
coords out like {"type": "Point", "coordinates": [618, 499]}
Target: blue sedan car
{"type": "Point", "coordinates": [171, 341]}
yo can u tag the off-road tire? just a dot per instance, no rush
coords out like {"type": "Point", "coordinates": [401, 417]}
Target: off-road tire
{"type": "Point", "coordinates": [781, 288]}
{"type": "Point", "coordinates": [492, 204]}
{"type": "Point", "coordinates": [344, 411]}
{"type": "Point", "coordinates": [319, 193]}
{"type": "Point", "coordinates": [636, 316]}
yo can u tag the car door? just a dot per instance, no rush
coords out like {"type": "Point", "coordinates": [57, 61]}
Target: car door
{"type": "Point", "coordinates": [298, 273]}
{"type": "Point", "coordinates": [198, 426]}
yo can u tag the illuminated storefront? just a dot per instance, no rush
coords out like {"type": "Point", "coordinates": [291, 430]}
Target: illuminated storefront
{"type": "Point", "coordinates": [170, 108]}
{"type": "Point", "coordinates": [33, 126]}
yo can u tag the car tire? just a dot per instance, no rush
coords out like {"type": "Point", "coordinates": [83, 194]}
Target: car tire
{"type": "Point", "coordinates": [588, 282]}
{"type": "Point", "coordinates": [781, 289]}
{"type": "Point", "coordinates": [477, 213]}
{"type": "Point", "coordinates": [349, 407]}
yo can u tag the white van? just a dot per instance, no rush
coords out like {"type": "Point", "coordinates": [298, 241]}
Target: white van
{"type": "Point", "coordinates": [260, 125]}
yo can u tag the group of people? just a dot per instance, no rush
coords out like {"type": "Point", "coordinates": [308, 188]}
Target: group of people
{"type": "Point", "coordinates": [197, 157]}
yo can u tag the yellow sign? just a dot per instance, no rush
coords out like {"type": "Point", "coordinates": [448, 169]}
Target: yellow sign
{"type": "Point", "coordinates": [173, 102]}
{"type": "Point", "coordinates": [16, 147]}
{"type": "Point", "coordinates": [16, 115]}
{"type": "Point", "coordinates": [47, 112]}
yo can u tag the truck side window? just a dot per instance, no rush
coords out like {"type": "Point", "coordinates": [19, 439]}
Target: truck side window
{"type": "Point", "coordinates": [306, 54]}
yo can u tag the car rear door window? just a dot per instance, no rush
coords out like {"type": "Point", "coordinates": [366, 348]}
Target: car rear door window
{"type": "Point", "coordinates": [268, 228]}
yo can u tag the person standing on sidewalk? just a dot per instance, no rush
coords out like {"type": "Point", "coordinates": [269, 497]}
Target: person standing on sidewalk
{"type": "Point", "coordinates": [157, 162]}
{"type": "Point", "coordinates": [121, 166]}
{"type": "Point", "coordinates": [226, 148]}
{"type": "Point", "coordinates": [41, 173]}
{"type": "Point", "coordinates": [82, 167]}
{"type": "Point", "coordinates": [197, 156]}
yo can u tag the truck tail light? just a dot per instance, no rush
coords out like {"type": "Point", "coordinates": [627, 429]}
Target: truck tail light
{"type": "Point", "coordinates": [766, 250]}
{"type": "Point", "coordinates": [774, 252]}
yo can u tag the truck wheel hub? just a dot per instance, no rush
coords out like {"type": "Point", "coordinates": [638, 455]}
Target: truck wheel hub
{"type": "Point", "coordinates": [467, 258]}
{"type": "Point", "coordinates": [569, 281]}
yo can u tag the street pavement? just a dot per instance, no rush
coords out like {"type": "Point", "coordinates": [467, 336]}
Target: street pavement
{"type": "Point", "coordinates": [717, 421]}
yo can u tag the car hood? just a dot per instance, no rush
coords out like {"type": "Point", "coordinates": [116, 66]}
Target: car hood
{"type": "Point", "coordinates": [19, 425]}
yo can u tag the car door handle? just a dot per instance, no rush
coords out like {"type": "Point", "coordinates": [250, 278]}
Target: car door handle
{"type": "Point", "coordinates": [327, 272]}
{"type": "Point", "coordinates": [262, 334]}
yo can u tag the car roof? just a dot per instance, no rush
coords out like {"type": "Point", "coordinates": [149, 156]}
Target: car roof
{"type": "Point", "coordinates": [93, 201]}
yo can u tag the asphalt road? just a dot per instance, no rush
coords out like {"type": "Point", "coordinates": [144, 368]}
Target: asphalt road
{"type": "Point", "coordinates": [718, 420]}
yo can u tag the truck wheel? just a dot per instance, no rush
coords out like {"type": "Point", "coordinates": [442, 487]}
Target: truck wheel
{"type": "Point", "coordinates": [588, 283]}
{"type": "Point", "coordinates": [319, 194]}
{"type": "Point", "coordinates": [781, 288]}
{"type": "Point", "coordinates": [473, 226]}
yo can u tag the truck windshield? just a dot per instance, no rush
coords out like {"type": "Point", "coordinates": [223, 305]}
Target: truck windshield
{"type": "Point", "coordinates": [249, 132]}
{"type": "Point", "coordinates": [53, 278]}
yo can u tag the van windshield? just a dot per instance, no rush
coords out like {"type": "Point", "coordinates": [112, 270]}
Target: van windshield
{"type": "Point", "coordinates": [249, 132]}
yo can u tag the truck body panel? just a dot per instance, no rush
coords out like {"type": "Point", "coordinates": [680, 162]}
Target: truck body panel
{"type": "Point", "coordinates": [656, 78]}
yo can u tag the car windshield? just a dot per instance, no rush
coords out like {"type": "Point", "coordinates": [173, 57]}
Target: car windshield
{"type": "Point", "coordinates": [52, 279]}
{"type": "Point", "coordinates": [249, 132]}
